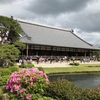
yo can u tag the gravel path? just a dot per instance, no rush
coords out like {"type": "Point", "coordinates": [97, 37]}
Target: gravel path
{"type": "Point", "coordinates": [58, 64]}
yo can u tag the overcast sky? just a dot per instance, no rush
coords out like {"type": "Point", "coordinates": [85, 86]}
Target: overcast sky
{"type": "Point", "coordinates": [81, 15]}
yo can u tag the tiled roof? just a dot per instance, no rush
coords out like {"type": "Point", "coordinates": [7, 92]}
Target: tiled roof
{"type": "Point", "coordinates": [46, 35]}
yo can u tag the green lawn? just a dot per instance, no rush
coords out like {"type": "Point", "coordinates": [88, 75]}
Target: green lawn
{"type": "Point", "coordinates": [80, 68]}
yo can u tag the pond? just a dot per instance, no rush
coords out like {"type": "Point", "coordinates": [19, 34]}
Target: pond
{"type": "Point", "coordinates": [83, 80]}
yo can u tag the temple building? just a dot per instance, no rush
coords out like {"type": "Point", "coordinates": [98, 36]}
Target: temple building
{"type": "Point", "coordinates": [46, 40]}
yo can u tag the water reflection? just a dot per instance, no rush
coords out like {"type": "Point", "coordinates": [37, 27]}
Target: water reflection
{"type": "Point", "coordinates": [84, 80]}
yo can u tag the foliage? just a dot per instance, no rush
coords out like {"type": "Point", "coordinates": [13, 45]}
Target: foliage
{"type": "Point", "coordinates": [96, 53]}
{"type": "Point", "coordinates": [39, 97]}
{"type": "Point", "coordinates": [45, 98]}
{"type": "Point", "coordinates": [8, 54]}
{"type": "Point", "coordinates": [8, 71]}
{"type": "Point", "coordinates": [0, 96]}
{"type": "Point", "coordinates": [92, 94]}
{"type": "Point", "coordinates": [26, 65]}
{"type": "Point", "coordinates": [64, 90]}
{"type": "Point", "coordinates": [35, 97]}
{"type": "Point", "coordinates": [21, 46]}
{"type": "Point", "coordinates": [5, 71]}
{"type": "Point", "coordinates": [26, 83]}
{"type": "Point", "coordinates": [74, 64]}
{"type": "Point", "coordinates": [94, 66]}
{"type": "Point", "coordinates": [3, 80]}
{"type": "Point", "coordinates": [1, 90]}
{"type": "Point", "coordinates": [13, 68]}
{"type": "Point", "coordinates": [12, 26]}
{"type": "Point", "coordinates": [41, 68]}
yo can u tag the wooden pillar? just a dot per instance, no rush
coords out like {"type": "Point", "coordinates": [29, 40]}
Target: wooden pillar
{"type": "Point", "coordinates": [37, 53]}
{"type": "Point", "coordinates": [85, 54]}
{"type": "Point", "coordinates": [27, 50]}
{"type": "Point", "coordinates": [51, 51]}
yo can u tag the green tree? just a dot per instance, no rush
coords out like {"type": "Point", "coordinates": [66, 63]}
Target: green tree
{"type": "Point", "coordinates": [96, 53]}
{"type": "Point", "coordinates": [8, 54]}
{"type": "Point", "coordinates": [9, 28]}
{"type": "Point", "coordinates": [21, 46]}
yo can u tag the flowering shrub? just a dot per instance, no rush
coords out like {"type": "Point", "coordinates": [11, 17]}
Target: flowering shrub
{"type": "Point", "coordinates": [27, 82]}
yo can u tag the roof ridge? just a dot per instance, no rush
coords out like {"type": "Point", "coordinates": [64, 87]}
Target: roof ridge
{"type": "Point", "coordinates": [43, 25]}
{"type": "Point", "coordinates": [82, 39]}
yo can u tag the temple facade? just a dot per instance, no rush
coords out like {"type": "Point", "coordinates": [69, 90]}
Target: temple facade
{"type": "Point", "coordinates": [46, 40]}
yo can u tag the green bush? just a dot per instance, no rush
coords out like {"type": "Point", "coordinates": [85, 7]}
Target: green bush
{"type": "Point", "coordinates": [92, 94]}
{"type": "Point", "coordinates": [63, 90]}
{"type": "Point", "coordinates": [39, 97]}
{"type": "Point", "coordinates": [35, 97]}
{"type": "Point", "coordinates": [8, 54]}
{"type": "Point", "coordinates": [13, 68]}
{"type": "Point", "coordinates": [26, 66]}
{"type": "Point", "coordinates": [5, 71]}
{"type": "Point", "coordinates": [1, 92]}
{"type": "Point", "coordinates": [46, 98]}
{"type": "Point", "coordinates": [0, 96]}
{"type": "Point", "coordinates": [3, 80]}
{"type": "Point", "coordinates": [22, 66]}
{"type": "Point", "coordinates": [41, 69]}
{"type": "Point", "coordinates": [74, 64]}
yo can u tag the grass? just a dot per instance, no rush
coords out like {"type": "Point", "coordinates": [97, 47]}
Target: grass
{"type": "Point", "coordinates": [73, 69]}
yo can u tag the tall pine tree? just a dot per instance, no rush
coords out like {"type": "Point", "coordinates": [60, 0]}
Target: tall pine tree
{"type": "Point", "coordinates": [9, 30]}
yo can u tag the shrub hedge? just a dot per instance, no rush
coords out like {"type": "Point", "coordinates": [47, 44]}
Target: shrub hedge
{"type": "Point", "coordinates": [26, 65]}
{"type": "Point", "coordinates": [63, 90]}
{"type": "Point", "coordinates": [13, 68]}
{"type": "Point", "coordinates": [8, 71]}
{"type": "Point", "coordinates": [74, 63]}
{"type": "Point", "coordinates": [41, 69]}
{"type": "Point", "coordinates": [5, 71]}
{"type": "Point", "coordinates": [3, 80]}
{"type": "Point", "coordinates": [92, 94]}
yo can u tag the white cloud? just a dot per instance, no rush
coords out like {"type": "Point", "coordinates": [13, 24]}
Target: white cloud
{"type": "Point", "coordinates": [93, 7]}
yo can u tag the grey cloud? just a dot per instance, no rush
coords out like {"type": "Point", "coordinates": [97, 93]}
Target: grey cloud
{"type": "Point", "coordinates": [88, 22]}
{"type": "Point", "coordinates": [92, 38]}
{"type": "Point", "coordinates": [49, 7]}
{"type": "Point", "coordinates": [6, 1]}
{"type": "Point", "coordinates": [85, 21]}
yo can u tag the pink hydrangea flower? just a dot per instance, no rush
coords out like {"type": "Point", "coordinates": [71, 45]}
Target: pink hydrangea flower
{"type": "Point", "coordinates": [21, 81]}
{"type": "Point", "coordinates": [22, 90]}
{"type": "Point", "coordinates": [28, 96]}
